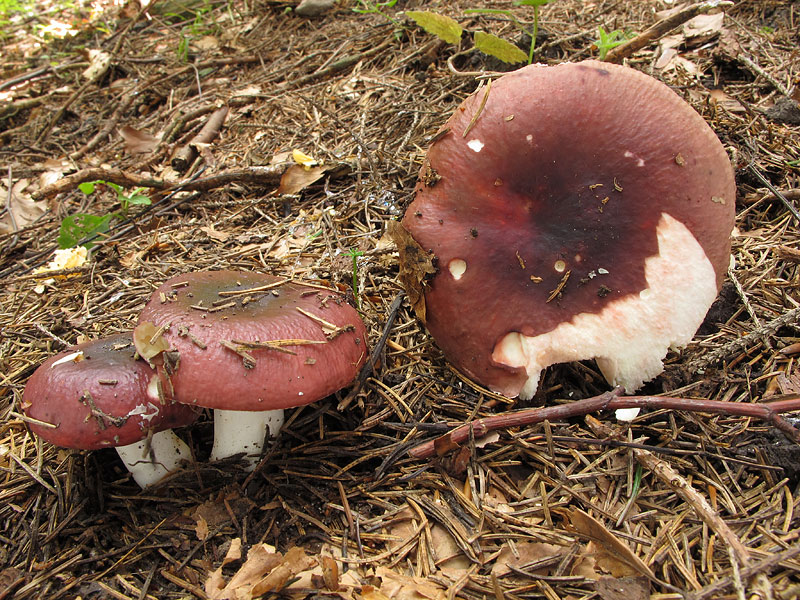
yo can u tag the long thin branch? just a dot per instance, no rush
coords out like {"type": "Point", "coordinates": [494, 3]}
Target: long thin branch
{"type": "Point", "coordinates": [661, 28]}
{"type": "Point", "coordinates": [768, 411]}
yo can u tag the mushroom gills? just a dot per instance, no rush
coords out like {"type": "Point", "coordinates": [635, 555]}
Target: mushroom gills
{"type": "Point", "coordinates": [630, 337]}
{"type": "Point", "coordinates": [239, 430]}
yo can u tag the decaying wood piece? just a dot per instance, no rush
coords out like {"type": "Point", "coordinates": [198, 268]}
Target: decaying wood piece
{"type": "Point", "coordinates": [185, 156]}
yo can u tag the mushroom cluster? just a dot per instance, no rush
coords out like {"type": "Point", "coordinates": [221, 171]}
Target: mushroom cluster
{"type": "Point", "coordinates": [564, 213]}
{"type": "Point", "coordinates": [245, 344]}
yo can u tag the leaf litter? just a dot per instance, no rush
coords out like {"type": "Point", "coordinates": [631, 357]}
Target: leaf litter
{"type": "Point", "coordinates": [337, 506]}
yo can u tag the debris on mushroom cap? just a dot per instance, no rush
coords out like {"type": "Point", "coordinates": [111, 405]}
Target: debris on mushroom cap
{"type": "Point", "coordinates": [594, 222]}
{"type": "Point", "coordinates": [254, 342]}
{"type": "Point", "coordinates": [99, 395]}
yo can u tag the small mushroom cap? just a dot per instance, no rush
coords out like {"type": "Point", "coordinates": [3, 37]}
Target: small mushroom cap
{"type": "Point", "coordinates": [251, 341]}
{"type": "Point", "coordinates": [550, 204]}
{"type": "Point", "coordinates": [99, 395]}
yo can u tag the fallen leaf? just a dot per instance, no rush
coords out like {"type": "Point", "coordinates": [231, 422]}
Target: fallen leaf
{"type": "Point", "coordinates": [234, 552]}
{"type": "Point", "coordinates": [415, 266]}
{"type": "Point", "coordinates": [201, 529]}
{"type": "Point", "coordinates": [296, 178]}
{"type": "Point", "coordinates": [703, 27]}
{"type": "Point", "coordinates": [24, 210]}
{"type": "Point", "coordinates": [529, 553]}
{"type": "Point", "coordinates": [207, 42]}
{"type": "Point", "coordinates": [219, 236]}
{"type": "Point", "coordinates": [138, 142]}
{"type": "Point", "coordinates": [611, 554]}
{"type": "Point", "coordinates": [295, 561]}
{"type": "Point", "coordinates": [261, 559]}
{"type": "Point", "coordinates": [402, 587]}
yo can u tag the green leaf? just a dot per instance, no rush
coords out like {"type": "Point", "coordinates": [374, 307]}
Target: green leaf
{"type": "Point", "coordinates": [530, 2]}
{"type": "Point", "coordinates": [441, 26]}
{"type": "Point", "coordinates": [76, 227]}
{"type": "Point", "coordinates": [87, 187]}
{"type": "Point", "coordinates": [139, 199]}
{"type": "Point", "coordinates": [492, 45]}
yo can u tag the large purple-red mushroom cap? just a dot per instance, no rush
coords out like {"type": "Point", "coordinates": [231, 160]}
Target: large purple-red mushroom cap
{"type": "Point", "coordinates": [100, 395]}
{"type": "Point", "coordinates": [249, 345]}
{"type": "Point", "coordinates": [570, 212]}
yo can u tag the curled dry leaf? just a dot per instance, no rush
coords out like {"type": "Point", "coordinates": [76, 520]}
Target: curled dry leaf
{"type": "Point", "coordinates": [402, 587]}
{"type": "Point", "coordinates": [415, 266]}
{"type": "Point", "coordinates": [297, 178]}
{"type": "Point", "coordinates": [264, 571]}
{"type": "Point", "coordinates": [138, 142]}
{"type": "Point", "coordinates": [611, 554]}
{"type": "Point", "coordinates": [24, 210]}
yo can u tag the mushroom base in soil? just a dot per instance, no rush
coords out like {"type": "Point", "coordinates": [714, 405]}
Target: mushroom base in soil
{"type": "Point", "coordinates": [249, 345]}
{"type": "Point", "coordinates": [568, 212]}
{"type": "Point", "coordinates": [99, 395]}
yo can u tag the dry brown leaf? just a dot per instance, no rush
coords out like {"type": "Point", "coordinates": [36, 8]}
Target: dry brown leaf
{"type": "Point", "coordinates": [261, 559]}
{"type": "Point", "coordinates": [402, 587]}
{"type": "Point", "coordinates": [234, 552]}
{"type": "Point", "coordinates": [201, 529]}
{"type": "Point", "coordinates": [296, 561]}
{"type": "Point", "coordinates": [138, 142]}
{"type": "Point", "coordinates": [612, 555]}
{"type": "Point", "coordinates": [219, 236]}
{"type": "Point", "coordinates": [415, 266]}
{"type": "Point", "coordinates": [529, 552]}
{"type": "Point", "coordinates": [24, 210]}
{"type": "Point", "coordinates": [297, 178]}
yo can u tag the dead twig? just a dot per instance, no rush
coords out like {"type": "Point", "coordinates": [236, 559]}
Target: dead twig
{"type": "Point", "coordinates": [185, 156]}
{"type": "Point", "coordinates": [661, 28]}
{"type": "Point", "coordinates": [768, 411]}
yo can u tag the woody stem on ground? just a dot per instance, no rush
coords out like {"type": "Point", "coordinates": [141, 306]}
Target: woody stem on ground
{"type": "Point", "coordinates": [767, 411]}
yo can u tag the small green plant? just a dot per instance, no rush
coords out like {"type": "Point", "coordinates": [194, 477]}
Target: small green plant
{"type": "Point", "coordinates": [450, 31]}
{"type": "Point", "coordinates": [76, 227]}
{"type": "Point", "coordinates": [608, 40]}
{"type": "Point", "coordinates": [183, 49]}
{"type": "Point", "coordinates": [355, 254]}
{"type": "Point", "coordinates": [376, 7]}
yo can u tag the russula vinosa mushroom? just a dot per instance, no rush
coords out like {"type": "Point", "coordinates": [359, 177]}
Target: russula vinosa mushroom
{"type": "Point", "coordinates": [99, 395]}
{"type": "Point", "coordinates": [564, 213]}
{"type": "Point", "coordinates": [249, 345]}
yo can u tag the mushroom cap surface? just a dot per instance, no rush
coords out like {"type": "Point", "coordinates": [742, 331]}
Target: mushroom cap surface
{"type": "Point", "coordinates": [242, 339]}
{"type": "Point", "coordinates": [99, 395]}
{"type": "Point", "coordinates": [560, 206]}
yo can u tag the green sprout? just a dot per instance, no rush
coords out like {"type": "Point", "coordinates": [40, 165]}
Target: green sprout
{"type": "Point", "coordinates": [76, 227]}
{"type": "Point", "coordinates": [366, 7]}
{"type": "Point", "coordinates": [608, 40]}
{"type": "Point", "coordinates": [355, 254]}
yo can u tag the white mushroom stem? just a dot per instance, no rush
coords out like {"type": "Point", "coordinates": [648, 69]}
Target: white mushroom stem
{"type": "Point", "coordinates": [244, 432]}
{"type": "Point", "coordinates": [150, 462]}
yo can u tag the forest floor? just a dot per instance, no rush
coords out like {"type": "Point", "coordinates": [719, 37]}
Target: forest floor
{"type": "Point", "coordinates": [673, 504]}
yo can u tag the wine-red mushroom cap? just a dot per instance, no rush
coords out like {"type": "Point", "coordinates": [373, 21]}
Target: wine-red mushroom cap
{"type": "Point", "coordinates": [255, 342]}
{"type": "Point", "coordinates": [99, 395]}
{"type": "Point", "coordinates": [571, 212]}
